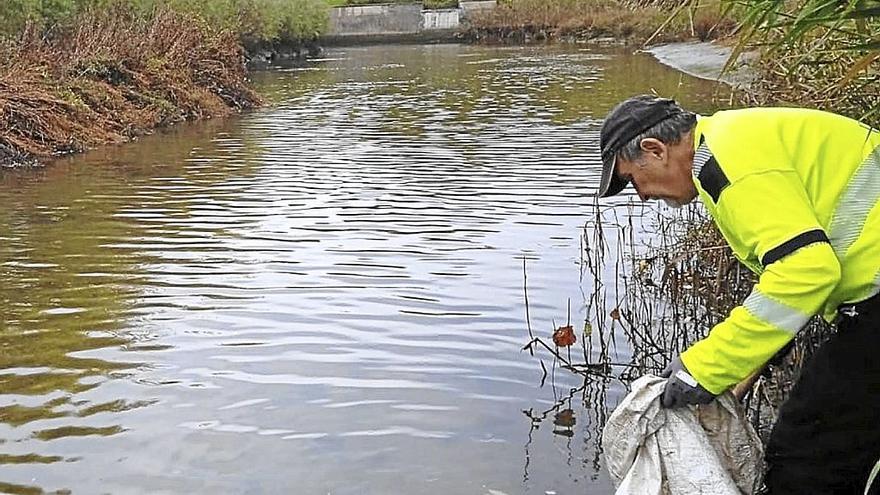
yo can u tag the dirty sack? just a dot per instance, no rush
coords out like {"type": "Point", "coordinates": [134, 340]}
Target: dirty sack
{"type": "Point", "coordinates": [651, 450]}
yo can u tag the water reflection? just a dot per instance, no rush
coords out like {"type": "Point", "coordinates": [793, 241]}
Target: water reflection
{"type": "Point", "coordinates": [587, 401]}
{"type": "Point", "coordinates": [326, 293]}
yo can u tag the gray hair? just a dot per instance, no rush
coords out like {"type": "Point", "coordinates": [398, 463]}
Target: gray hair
{"type": "Point", "coordinates": [668, 131]}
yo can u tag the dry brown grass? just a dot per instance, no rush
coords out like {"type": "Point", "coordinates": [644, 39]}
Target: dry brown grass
{"type": "Point", "coordinates": [539, 20]}
{"type": "Point", "coordinates": [111, 77]}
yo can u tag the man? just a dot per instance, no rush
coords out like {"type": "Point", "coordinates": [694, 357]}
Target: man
{"type": "Point", "coordinates": [795, 193]}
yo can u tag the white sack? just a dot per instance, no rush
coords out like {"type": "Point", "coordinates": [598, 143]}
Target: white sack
{"type": "Point", "coordinates": [650, 450]}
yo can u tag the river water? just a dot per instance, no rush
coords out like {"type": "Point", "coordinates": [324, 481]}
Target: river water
{"type": "Point", "coordinates": [324, 295]}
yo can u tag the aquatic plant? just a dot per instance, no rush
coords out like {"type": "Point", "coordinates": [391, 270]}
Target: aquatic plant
{"type": "Point", "coordinates": [656, 280]}
{"type": "Point", "coordinates": [683, 280]}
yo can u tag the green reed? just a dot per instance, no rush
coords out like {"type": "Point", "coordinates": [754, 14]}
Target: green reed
{"type": "Point", "coordinates": [816, 53]}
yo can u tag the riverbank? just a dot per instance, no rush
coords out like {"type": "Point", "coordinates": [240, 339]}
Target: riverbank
{"type": "Point", "coordinates": [697, 42]}
{"type": "Point", "coordinates": [707, 60]}
{"type": "Point", "coordinates": [529, 21]}
{"type": "Point", "coordinates": [112, 77]}
{"type": "Point", "coordinates": [79, 74]}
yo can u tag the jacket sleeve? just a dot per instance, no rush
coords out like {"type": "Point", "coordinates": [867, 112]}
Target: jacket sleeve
{"type": "Point", "coordinates": [770, 214]}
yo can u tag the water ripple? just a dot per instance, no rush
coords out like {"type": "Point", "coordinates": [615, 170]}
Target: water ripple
{"type": "Point", "coordinates": [326, 293]}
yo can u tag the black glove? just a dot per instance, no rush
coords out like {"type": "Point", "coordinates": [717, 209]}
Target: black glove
{"type": "Point", "coordinates": [681, 388]}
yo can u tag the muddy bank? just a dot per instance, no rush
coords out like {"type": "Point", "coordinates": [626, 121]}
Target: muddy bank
{"type": "Point", "coordinates": [261, 53]}
{"type": "Point", "coordinates": [706, 60]}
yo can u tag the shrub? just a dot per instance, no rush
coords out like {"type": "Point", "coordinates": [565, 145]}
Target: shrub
{"type": "Point", "coordinates": [265, 20]}
{"type": "Point", "coordinates": [817, 53]}
{"type": "Point", "coordinates": [111, 76]}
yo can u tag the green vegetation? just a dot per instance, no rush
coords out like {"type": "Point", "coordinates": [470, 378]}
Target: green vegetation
{"type": "Point", "coordinates": [817, 53]}
{"type": "Point", "coordinates": [260, 20]}
{"type": "Point", "coordinates": [75, 74]}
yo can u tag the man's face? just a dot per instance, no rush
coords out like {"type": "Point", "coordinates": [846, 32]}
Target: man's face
{"type": "Point", "coordinates": [663, 172]}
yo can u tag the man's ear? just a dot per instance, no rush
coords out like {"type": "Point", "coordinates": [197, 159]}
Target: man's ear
{"type": "Point", "coordinates": [654, 147]}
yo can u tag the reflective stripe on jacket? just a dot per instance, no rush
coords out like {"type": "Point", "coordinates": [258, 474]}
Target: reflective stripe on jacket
{"type": "Point", "coordinates": [795, 193]}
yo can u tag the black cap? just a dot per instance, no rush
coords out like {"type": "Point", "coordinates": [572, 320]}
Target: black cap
{"type": "Point", "coordinates": [625, 122]}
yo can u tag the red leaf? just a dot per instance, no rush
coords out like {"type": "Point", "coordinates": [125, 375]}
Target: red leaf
{"type": "Point", "coordinates": [564, 336]}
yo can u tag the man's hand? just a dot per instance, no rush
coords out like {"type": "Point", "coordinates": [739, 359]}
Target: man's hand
{"type": "Point", "coordinates": [681, 388]}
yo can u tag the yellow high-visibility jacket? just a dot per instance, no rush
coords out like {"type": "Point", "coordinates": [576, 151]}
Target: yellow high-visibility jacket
{"type": "Point", "coordinates": [796, 194]}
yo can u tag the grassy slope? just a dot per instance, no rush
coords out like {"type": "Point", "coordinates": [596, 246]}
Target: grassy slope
{"type": "Point", "coordinates": [264, 20]}
{"type": "Point", "coordinates": [113, 76]}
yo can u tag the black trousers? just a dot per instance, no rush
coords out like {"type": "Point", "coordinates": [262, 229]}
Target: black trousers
{"type": "Point", "coordinates": [827, 437]}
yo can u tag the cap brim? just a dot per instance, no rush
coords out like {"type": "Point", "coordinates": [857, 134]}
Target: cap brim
{"type": "Point", "coordinates": [610, 184]}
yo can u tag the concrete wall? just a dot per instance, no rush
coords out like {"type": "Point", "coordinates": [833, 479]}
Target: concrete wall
{"type": "Point", "coordinates": [440, 19]}
{"type": "Point", "coordinates": [471, 7]}
{"type": "Point", "coordinates": [374, 20]}
{"type": "Point", "coordinates": [399, 20]}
